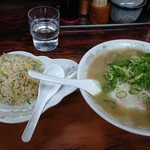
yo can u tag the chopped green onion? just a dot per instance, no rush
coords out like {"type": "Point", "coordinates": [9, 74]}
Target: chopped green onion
{"type": "Point", "coordinates": [109, 76]}
{"type": "Point", "coordinates": [121, 94]}
{"type": "Point", "coordinates": [134, 71]}
{"type": "Point", "coordinates": [135, 59]}
{"type": "Point", "coordinates": [2, 73]}
{"type": "Point", "coordinates": [111, 103]}
{"type": "Point", "coordinates": [29, 102]}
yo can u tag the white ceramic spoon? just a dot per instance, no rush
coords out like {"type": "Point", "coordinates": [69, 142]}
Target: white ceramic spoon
{"type": "Point", "coordinates": [70, 67]}
{"type": "Point", "coordinates": [46, 91]}
{"type": "Point", "coordinates": [64, 91]}
{"type": "Point", "coordinates": [91, 86]}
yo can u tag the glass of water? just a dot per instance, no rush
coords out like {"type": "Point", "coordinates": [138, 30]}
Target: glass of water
{"type": "Point", "coordinates": [44, 27]}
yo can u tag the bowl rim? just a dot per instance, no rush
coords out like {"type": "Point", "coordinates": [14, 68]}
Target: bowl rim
{"type": "Point", "coordinates": [97, 108]}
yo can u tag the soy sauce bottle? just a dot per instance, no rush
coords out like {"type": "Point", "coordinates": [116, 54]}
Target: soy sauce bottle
{"type": "Point", "coordinates": [69, 11]}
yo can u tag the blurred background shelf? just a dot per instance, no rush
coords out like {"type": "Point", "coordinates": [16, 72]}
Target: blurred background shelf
{"type": "Point", "coordinates": [84, 21]}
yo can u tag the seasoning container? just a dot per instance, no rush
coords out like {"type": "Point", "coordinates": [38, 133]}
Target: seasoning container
{"type": "Point", "coordinates": [99, 11]}
{"type": "Point", "coordinates": [84, 7]}
{"type": "Point", "coordinates": [69, 11]}
{"type": "Point", "coordinates": [126, 11]}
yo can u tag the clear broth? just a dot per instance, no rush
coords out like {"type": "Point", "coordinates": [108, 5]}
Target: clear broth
{"type": "Point", "coordinates": [130, 117]}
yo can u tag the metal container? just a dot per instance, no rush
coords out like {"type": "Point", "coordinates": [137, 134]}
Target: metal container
{"type": "Point", "coordinates": [126, 11]}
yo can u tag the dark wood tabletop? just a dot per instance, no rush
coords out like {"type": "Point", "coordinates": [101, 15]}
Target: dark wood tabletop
{"type": "Point", "coordinates": [72, 124]}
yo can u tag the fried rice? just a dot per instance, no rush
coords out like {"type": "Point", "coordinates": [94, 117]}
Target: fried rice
{"type": "Point", "coordinates": [16, 87]}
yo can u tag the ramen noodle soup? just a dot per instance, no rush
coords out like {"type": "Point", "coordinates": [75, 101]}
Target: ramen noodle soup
{"type": "Point", "coordinates": [16, 87]}
{"type": "Point", "coordinates": [125, 80]}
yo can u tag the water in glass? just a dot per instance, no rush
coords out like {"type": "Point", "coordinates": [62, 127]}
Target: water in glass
{"type": "Point", "coordinates": [45, 34]}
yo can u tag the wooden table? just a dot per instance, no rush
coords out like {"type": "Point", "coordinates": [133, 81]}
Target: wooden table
{"type": "Point", "coordinates": [72, 124]}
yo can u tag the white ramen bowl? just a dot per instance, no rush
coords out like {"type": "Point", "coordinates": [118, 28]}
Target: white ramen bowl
{"type": "Point", "coordinates": [84, 64]}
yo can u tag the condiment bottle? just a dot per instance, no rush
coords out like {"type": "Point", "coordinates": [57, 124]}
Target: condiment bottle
{"type": "Point", "coordinates": [69, 11]}
{"type": "Point", "coordinates": [99, 12]}
{"type": "Point", "coordinates": [84, 7]}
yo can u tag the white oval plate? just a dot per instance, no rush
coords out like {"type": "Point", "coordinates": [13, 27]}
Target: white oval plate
{"type": "Point", "coordinates": [18, 114]}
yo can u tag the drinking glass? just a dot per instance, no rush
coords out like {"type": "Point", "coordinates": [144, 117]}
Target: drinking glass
{"type": "Point", "coordinates": [44, 27]}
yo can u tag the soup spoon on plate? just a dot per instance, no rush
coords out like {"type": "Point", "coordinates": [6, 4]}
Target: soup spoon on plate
{"type": "Point", "coordinates": [46, 91]}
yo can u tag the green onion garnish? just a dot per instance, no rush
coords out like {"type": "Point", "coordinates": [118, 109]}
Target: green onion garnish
{"type": "Point", "coordinates": [134, 71]}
